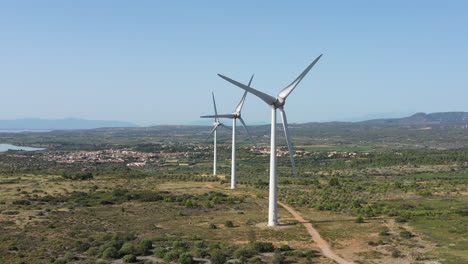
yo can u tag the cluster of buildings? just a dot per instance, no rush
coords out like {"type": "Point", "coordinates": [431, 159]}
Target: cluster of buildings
{"type": "Point", "coordinates": [132, 158]}
{"type": "Point", "coordinates": [283, 151]}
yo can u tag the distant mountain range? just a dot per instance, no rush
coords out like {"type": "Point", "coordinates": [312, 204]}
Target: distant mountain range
{"type": "Point", "coordinates": [423, 118]}
{"type": "Point", "coordinates": [59, 124]}
{"type": "Point", "coordinates": [75, 123]}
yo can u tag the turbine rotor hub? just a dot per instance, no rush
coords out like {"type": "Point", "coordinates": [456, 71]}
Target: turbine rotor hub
{"type": "Point", "coordinates": [279, 102]}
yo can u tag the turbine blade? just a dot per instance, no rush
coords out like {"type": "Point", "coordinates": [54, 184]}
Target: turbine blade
{"type": "Point", "coordinates": [265, 97]}
{"type": "Point", "coordinates": [214, 104]}
{"type": "Point", "coordinates": [286, 91]}
{"type": "Point", "coordinates": [247, 130]}
{"type": "Point", "coordinates": [288, 140]}
{"type": "Point", "coordinates": [219, 116]}
{"type": "Point", "coordinates": [223, 125]}
{"type": "Point", "coordinates": [214, 129]}
{"type": "Point", "coordinates": [242, 101]}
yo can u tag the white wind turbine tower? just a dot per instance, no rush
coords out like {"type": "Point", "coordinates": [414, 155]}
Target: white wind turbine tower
{"type": "Point", "coordinates": [234, 116]}
{"type": "Point", "coordinates": [216, 124]}
{"type": "Point", "coordinates": [276, 103]}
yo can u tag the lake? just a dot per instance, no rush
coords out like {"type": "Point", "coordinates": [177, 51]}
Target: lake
{"type": "Point", "coordinates": [5, 147]}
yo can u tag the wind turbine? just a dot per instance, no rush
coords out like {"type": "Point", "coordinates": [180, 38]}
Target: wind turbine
{"type": "Point", "coordinates": [216, 124]}
{"type": "Point", "coordinates": [276, 103]}
{"type": "Point", "coordinates": [234, 116]}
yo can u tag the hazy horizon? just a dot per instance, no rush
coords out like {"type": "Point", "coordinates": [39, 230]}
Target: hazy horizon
{"type": "Point", "coordinates": [153, 63]}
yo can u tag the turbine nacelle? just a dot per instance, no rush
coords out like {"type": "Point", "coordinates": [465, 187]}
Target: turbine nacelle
{"type": "Point", "coordinates": [279, 103]}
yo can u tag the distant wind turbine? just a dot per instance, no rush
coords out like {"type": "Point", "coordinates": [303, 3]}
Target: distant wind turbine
{"type": "Point", "coordinates": [276, 103]}
{"type": "Point", "coordinates": [234, 116]}
{"type": "Point", "coordinates": [216, 124]}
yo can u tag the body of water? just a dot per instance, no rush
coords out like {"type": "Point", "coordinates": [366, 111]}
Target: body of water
{"type": "Point", "coordinates": [5, 147]}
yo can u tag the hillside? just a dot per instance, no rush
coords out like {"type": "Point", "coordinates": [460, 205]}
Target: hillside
{"type": "Point", "coordinates": [423, 118]}
{"type": "Point", "coordinates": [52, 124]}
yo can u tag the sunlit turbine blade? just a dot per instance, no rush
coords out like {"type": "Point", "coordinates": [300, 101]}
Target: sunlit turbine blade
{"type": "Point", "coordinates": [214, 104]}
{"type": "Point", "coordinates": [286, 91]}
{"type": "Point", "coordinates": [265, 97]}
{"type": "Point", "coordinates": [288, 140]}
{"type": "Point", "coordinates": [219, 116]}
{"type": "Point", "coordinates": [214, 129]}
{"type": "Point", "coordinates": [242, 101]}
{"type": "Point", "coordinates": [247, 130]}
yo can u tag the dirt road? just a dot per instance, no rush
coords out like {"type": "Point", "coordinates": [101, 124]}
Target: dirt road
{"type": "Point", "coordinates": [321, 243]}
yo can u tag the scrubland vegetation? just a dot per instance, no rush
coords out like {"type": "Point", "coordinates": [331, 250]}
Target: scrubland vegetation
{"type": "Point", "coordinates": [374, 202]}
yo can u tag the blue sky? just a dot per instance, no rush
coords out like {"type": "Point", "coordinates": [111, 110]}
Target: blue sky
{"type": "Point", "coordinates": [155, 62]}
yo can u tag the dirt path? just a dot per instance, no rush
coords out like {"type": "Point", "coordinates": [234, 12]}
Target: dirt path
{"type": "Point", "coordinates": [321, 243]}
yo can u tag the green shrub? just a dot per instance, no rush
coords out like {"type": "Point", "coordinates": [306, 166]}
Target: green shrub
{"type": "Point", "coordinates": [384, 233]}
{"type": "Point", "coordinates": [278, 258]}
{"type": "Point", "coordinates": [285, 248]}
{"type": "Point", "coordinates": [11, 212]}
{"type": "Point", "coordinates": [199, 252]}
{"type": "Point", "coordinates": [359, 220]}
{"type": "Point", "coordinates": [185, 258]}
{"type": "Point", "coordinates": [81, 246]}
{"type": "Point", "coordinates": [406, 234]}
{"type": "Point", "coordinates": [110, 253]}
{"type": "Point", "coordinates": [68, 257]}
{"type": "Point", "coordinates": [245, 252]}
{"type": "Point", "coordinates": [171, 256]}
{"type": "Point", "coordinates": [92, 252]}
{"type": "Point", "coordinates": [113, 244]}
{"type": "Point", "coordinates": [212, 226]}
{"type": "Point", "coordinates": [401, 219]}
{"type": "Point", "coordinates": [310, 253]}
{"type": "Point", "coordinates": [263, 247]}
{"type": "Point", "coordinates": [126, 249]}
{"type": "Point", "coordinates": [130, 258]}
{"type": "Point", "coordinates": [396, 253]}
{"type": "Point", "coordinates": [144, 246]}
{"type": "Point", "coordinates": [217, 257]}
{"type": "Point", "coordinates": [256, 260]}
{"type": "Point", "coordinates": [229, 223]}
{"type": "Point", "coordinates": [160, 252]}
{"type": "Point", "coordinates": [179, 244]}
{"type": "Point", "coordinates": [334, 182]}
